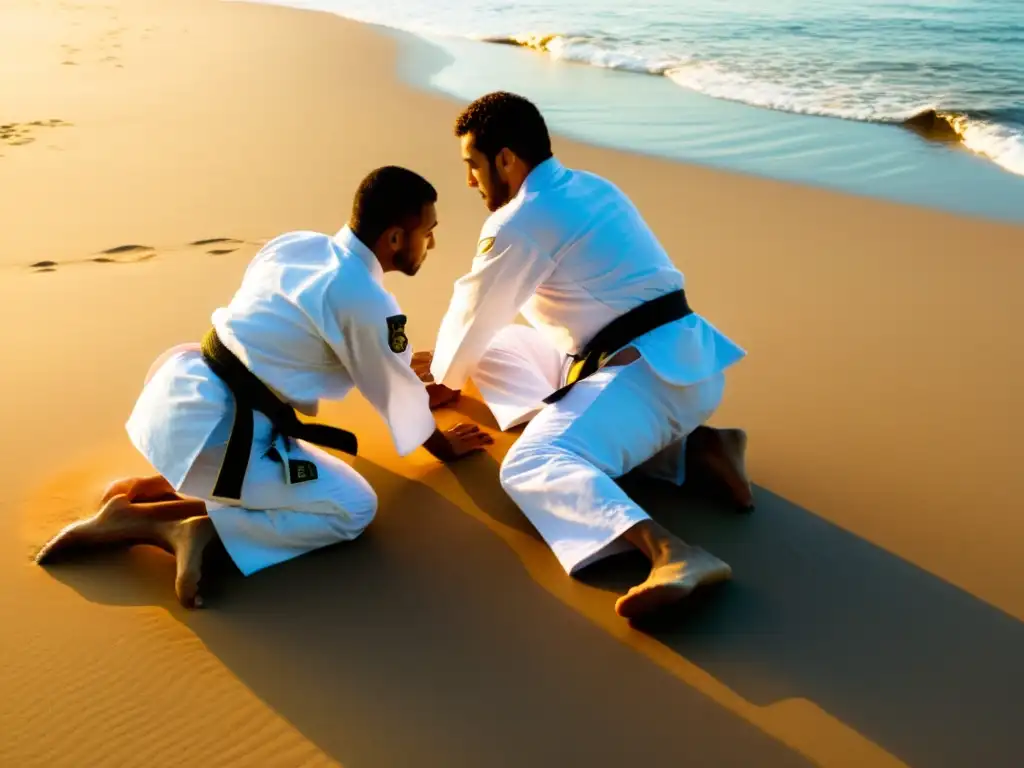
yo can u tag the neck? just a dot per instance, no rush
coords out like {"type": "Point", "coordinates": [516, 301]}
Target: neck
{"type": "Point", "coordinates": [384, 258]}
{"type": "Point", "coordinates": [520, 178]}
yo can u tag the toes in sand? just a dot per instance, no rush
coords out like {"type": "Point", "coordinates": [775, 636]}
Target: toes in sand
{"type": "Point", "coordinates": [673, 582]}
{"type": "Point", "coordinates": [103, 527]}
{"type": "Point", "coordinates": [190, 539]}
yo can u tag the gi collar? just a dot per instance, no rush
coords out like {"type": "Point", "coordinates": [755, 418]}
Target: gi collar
{"type": "Point", "coordinates": [543, 175]}
{"type": "Point", "coordinates": [348, 241]}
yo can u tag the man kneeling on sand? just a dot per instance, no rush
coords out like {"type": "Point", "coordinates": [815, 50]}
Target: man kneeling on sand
{"type": "Point", "coordinates": [614, 373]}
{"type": "Point", "coordinates": [311, 320]}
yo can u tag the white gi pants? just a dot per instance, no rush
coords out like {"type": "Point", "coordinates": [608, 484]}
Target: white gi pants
{"type": "Point", "coordinates": [273, 521]}
{"type": "Point", "coordinates": [561, 471]}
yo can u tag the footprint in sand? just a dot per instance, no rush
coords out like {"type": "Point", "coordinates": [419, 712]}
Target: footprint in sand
{"type": "Point", "coordinates": [119, 254]}
{"type": "Point", "coordinates": [14, 134]}
{"type": "Point", "coordinates": [134, 253]}
{"type": "Point", "coordinates": [125, 254]}
{"type": "Point", "coordinates": [18, 134]}
{"type": "Point", "coordinates": [218, 241]}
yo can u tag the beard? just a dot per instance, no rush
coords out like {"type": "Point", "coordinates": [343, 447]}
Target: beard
{"type": "Point", "coordinates": [406, 264]}
{"type": "Point", "coordinates": [498, 195]}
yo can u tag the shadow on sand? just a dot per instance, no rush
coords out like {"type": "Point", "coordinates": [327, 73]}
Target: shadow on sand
{"type": "Point", "coordinates": [921, 668]}
{"type": "Point", "coordinates": [427, 643]}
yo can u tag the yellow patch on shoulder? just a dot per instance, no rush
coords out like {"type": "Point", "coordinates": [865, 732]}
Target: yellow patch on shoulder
{"type": "Point", "coordinates": [485, 245]}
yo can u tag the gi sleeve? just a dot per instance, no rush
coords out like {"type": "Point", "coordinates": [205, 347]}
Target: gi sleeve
{"type": "Point", "coordinates": [379, 359]}
{"type": "Point", "coordinates": [507, 269]}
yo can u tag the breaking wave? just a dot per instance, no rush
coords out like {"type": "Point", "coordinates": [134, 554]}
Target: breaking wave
{"type": "Point", "coordinates": [997, 135]}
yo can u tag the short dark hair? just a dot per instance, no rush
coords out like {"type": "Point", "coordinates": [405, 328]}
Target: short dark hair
{"type": "Point", "coordinates": [387, 197]}
{"type": "Point", "coordinates": [501, 119]}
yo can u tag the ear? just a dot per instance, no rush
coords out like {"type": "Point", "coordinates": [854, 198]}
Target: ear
{"type": "Point", "coordinates": [396, 238]}
{"type": "Point", "coordinates": [503, 163]}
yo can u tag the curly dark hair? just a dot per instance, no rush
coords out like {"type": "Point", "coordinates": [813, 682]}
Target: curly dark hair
{"type": "Point", "coordinates": [389, 196]}
{"type": "Point", "coordinates": [501, 120]}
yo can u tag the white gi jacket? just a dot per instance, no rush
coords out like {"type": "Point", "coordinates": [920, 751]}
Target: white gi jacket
{"type": "Point", "coordinates": [571, 253]}
{"type": "Point", "coordinates": [311, 320]}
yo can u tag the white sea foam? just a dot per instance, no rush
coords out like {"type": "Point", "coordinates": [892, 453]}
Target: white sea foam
{"type": "Point", "coordinates": [827, 60]}
{"type": "Point", "coordinates": [1001, 143]}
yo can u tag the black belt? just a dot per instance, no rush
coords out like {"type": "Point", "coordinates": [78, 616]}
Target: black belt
{"type": "Point", "coordinates": [251, 394]}
{"type": "Point", "coordinates": [619, 333]}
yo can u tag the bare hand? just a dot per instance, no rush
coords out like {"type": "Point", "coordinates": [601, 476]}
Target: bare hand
{"type": "Point", "coordinates": [440, 395]}
{"type": "Point", "coordinates": [421, 366]}
{"type": "Point", "coordinates": [466, 439]}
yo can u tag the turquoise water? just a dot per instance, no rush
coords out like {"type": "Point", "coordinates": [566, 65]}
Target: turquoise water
{"type": "Point", "coordinates": [735, 84]}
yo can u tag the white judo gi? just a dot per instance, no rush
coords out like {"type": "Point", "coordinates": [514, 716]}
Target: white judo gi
{"type": "Point", "coordinates": [570, 252]}
{"type": "Point", "coordinates": [311, 320]}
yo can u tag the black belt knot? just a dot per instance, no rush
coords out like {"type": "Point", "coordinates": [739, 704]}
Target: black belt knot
{"type": "Point", "coordinates": [250, 395]}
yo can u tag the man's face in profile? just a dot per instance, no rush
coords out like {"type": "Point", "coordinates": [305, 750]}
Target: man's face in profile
{"type": "Point", "coordinates": [482, 174]}
{"type": "Point", "coordinates": [418, 241]}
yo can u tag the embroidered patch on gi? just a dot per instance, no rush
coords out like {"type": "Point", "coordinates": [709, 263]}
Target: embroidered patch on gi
{"type": "Point", "coordinates": [485, 245]}
{"type": "Point", "coordinates": [397, 340]}
{"type": "Point", "coordinates": [301, 471]}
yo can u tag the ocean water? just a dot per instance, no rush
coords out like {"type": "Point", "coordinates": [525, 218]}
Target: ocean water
{"type": "Point", "coordinates": [946, 77]}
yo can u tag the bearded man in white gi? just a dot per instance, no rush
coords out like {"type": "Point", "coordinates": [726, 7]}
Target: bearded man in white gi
{"type": "Point", "coordinates": [237, 469]}
{"type": "Point", "coordinates": [570, 252]}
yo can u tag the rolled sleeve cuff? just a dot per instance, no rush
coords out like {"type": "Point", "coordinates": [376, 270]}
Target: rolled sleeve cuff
{"type": "Point", "coordinates": [451, 374]}
{"type": "Point", "coordinates": [412, 432]}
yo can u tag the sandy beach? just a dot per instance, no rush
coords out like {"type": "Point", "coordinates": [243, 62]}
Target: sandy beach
{"type": "Point", "coordinates": [148, 148]}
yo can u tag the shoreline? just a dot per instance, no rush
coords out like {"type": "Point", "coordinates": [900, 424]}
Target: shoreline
{"type": "Point", "coordinates": [883, 394]}
{"type": "Point", "coordinates": [643, 114]}
{"type": "Point", "coordinates": [934, 124]}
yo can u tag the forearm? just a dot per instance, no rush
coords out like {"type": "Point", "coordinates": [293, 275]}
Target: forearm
{"type": "Point", "coordinates": [440, 446]}
{"type": "Point", "coordinates": [480, 307]}
{"type": "Point", "coordinates": [457, 352]}
{"type": "Point", "coordinates": [484, 301]}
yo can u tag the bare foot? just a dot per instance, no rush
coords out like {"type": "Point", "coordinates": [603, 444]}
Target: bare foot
{"type": "Point", "coordinates": [189, 538]}
{"type": "Point", "coordinates": [722, 453]}
{"type": "Point", "coordinates": [672, 581]}
{"type": "Point", "coordinates": [111, 523]}
{"type": "Point", "coordinates": [122, 487]}
{"type": "Point", "coordinates": [154, 488]}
